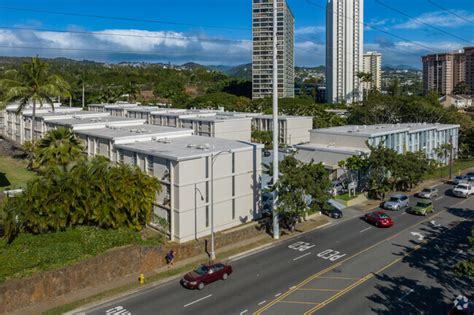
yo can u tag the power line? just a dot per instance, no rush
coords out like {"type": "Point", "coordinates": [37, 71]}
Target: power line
{"type": "Point", "coordinates": [377, 29]}
{"type": "Point", "coordinates": [107, 17]}
{"type": "Point", "coordinates": [450, 12]}
{"type": "Point", "coordinates": [122, 34]}
{"type": "Point", "coordinates": [421, 22]}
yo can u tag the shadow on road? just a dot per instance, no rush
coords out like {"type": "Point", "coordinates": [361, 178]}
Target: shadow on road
{"type": "Point", "coordinates": [435, 260]}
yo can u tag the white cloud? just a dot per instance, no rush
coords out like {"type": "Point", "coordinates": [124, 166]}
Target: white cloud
{"type": "Point", "coordinates": [438, 19]}
{"type": "Point", "coordinates": [310, 30]}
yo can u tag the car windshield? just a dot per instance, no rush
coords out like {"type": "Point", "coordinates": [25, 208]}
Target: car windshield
{"type": "Point", "coordinates": [461, 187]}
{"type": "Point", "coordinates": [427, 190]}
{"type": "Point", "coordinates": [202, 270]}
{"type": "Point", "coordinates": [394, 199]}
{"type": "Point", "coordinates": [383, 216]}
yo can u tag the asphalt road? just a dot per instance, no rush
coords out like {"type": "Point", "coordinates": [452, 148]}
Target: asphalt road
{"type": "Point", "coordinates": [351, 262]}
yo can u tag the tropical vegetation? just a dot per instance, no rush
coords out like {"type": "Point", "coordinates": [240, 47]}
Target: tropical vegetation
{"type": "Point", "coordinates": [466, 267]}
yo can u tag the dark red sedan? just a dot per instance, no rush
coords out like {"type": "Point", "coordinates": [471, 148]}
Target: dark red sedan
{"type": "Point", "coordinates": [379, 219]}
{"type": "Point", "coordinates": [206, 274]}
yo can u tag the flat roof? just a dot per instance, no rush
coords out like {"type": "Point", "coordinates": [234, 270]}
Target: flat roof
{"type": "Point", "coordinates": [282, 117]}
{"type": "Point", "coordinates": [186, 148]}
{"type": "Point", "coordinates": [215, 118]}
{"type": "Point", "coordinates": [134, 131]}
{"type": "Point", "coordinates": [92, 120]}
{"type": "Point", "coordinates": [77, 112]}
{"type": "Point", "coordinates": [376, 130]}
{"type": "Point", "coordinates": [146, 109]}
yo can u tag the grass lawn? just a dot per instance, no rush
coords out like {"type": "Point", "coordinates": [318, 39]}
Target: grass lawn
{"type": "Point", "coordinates": [29, 254]}
{"type": "Point", "coordinates": [346, 197]}
{"type": "Point", "coordinates": [13, 173]}
{"type": "Point", "coordinates": [443, 172]}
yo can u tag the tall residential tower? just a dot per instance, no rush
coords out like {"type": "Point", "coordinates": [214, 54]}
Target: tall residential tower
{"type": "Point", "coordinates": [262, 62]}
{"type": "Point", "coordinates": [373, 65]}
{"type": "Point", "coordinates": [344, 50]}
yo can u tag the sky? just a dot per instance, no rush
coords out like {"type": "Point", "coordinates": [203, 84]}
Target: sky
{"type": "Point", "coordinates": [218, 32]}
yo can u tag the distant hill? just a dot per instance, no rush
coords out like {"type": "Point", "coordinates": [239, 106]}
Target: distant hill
{"type": "Point", "coordinates": [399, 67]}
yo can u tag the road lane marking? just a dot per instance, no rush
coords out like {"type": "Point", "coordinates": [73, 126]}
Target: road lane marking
{"type": "Point", "coordinates": [295, 259]}
{"type": "Point", "coordinates": [198, 300]}
{"type": "Point", "coordinates": [419, 236]}
{"type": "Point", "coordinates": [293, 287]}
{"type": "Point", "coordinates": [324, 290]}
{"type": "Point", "coordinates": [278, 294]}
{"type": "Point", "coordinates": [263, 302]}
{"type": "Point", "coordinates": [118, 310]}
{"type": "Point", "coordinates": [243, 312]}
{"type": "Point", "coordinates": [406, 294]}
{"type": "Point", "coordinates": [365, 229]}
{"type": "Point", "coordinates": [338, 264]}
{"type": "Point", "coordinates": [438, 198]}
{"type": "Point", "coordinates": [299, 302]}
{"type": "Point", "coordinates": [403, 213]}
{"type": "Point", "coordinates": [339, 278]}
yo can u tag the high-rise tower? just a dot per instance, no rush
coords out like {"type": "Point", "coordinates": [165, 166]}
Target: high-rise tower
{"type": "Point", "coordinates": [344, 50]}
{"type": "Point", "coordinates": [262, 62]}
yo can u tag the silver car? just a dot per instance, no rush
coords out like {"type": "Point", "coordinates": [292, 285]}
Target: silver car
{"type": "Point", "coordinates": [396, 202]}
{"type": "Point", "coordinates": [460, 179]}
{"type": "Point", "coordinates": [428, 193]}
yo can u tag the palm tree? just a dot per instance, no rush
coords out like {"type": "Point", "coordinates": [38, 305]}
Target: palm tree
{"type": "Point", "coordinates": [58, 147]}
{"type": "Point", "coordinates": [33, 83]}
{"type": "Point", "coordinates": [366, 78]}
{"type": "Point", "coordinates": [132, 90]}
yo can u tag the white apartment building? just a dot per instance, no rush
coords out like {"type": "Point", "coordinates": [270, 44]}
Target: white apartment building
{"type": "Point", "coordinates": [83, 123]}
{"type": "Point", "coordinates": [143, 112]}
{"type": "Point", "coordinates": [292, 129]}
{"type": "Point", "coordinates": [344, 50]}
{"type": "Point", "coordinates": [183, 166]}
{"type": "Point", "coordinates": [331, 145]}
{"type": "Point", "coordinates": [262, 56]}
{"type": "Point", "coordinates": [206, 123]}
{"type": "Point", "coordinates": [102, 141]}
{"type": "Point", "coordinates": [373, 65]}
{"type": "Point", "coordinates": [116, 109]}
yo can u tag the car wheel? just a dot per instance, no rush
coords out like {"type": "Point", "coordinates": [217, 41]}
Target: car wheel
{"type": "Point", "coordinates": [377, 224]}
{"type": "Point", "coordinates": [201, 285]}
{"type": "Point", "coordinates": [225, 276]}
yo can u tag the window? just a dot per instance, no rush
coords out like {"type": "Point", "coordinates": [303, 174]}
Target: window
{"type": "Point", "coordinates": [120, 156]}
{"type": "Point", "coordinates": [233, 209]}
{"type": "Point", "coordinates": [206, 166]}
{"type": "Point", "coordinates": [233, 186]}
{"type": "Point", "coordinates": [134, 159]}
{"type": "Point", "coordinates": [149, 165]}
{"type": "Point", "coordinates": [207, 216]}
{"type": "Point", "coordinates": [207, 191]}
{"type": "Point", "coordinates": [233, 162]}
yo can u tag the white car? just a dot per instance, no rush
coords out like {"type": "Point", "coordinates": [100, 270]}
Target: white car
{"type": "Point", "coordinates": [463, 190]}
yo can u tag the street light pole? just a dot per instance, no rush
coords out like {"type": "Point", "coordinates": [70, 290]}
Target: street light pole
{"type": "Point", "coordinates": [213, 159]}
{"type": "Point", "coordinates": [195, 209]}
{"type": "Point", "coordinates": [276, 227]}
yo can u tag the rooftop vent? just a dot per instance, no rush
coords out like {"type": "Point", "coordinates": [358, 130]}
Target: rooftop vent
{"type": "Point", "coordinates": [191, 145]}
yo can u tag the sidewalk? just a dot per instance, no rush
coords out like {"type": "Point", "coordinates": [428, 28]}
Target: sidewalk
{"type": "Point", "coordinates": [129, 284]}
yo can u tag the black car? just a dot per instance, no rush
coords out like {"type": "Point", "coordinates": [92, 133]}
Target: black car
{"type": "Point", "coordinates": [333, 213]}
{"type": "Point", "coordinates": [266, 153]}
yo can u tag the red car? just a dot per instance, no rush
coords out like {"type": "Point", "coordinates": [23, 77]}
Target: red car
{"type": "Point", "coordinates": [206, 274]}
{"type": "Point", "coordinates": [379, 219]}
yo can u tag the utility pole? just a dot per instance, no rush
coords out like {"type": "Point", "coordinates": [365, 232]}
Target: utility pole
{"type": "Point", "coordinates": [276, 225]}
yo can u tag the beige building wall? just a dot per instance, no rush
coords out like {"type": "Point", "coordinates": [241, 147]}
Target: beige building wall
{"type": "Point", "coordinates": [373, 65]}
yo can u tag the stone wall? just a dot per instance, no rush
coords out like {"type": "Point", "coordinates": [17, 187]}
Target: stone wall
{"type": "Point", "coordinates": [119, 262]}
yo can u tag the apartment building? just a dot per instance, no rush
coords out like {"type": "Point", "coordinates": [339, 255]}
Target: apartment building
{"type": "Point", "coordinates": [292, 129]}
{"type": "Point", "coordinates": [442, 72]}
{"type": "Point", "coordinates": [143, 112]}
{"type": "Point", "coordinates": [184, 165]}
{"type": "Point", "coordinates": [206, 123]}
{"type": "Point", "coordinates": [262, 55]}
{"type": "Point", "coordinates": [83, 123]}
{"type": "Point", "coordinates": [469, 68]}
{"type": "Point", "coordinates": [102, 141]}
{"type": "Point", "coordinates": [373, 65]}
{"type": "Point", "coordinates": [331, 145]}
{"type": "Point", "coordinates": [344, 50]}
{"type": "Point", "coordinates": [118, 109]}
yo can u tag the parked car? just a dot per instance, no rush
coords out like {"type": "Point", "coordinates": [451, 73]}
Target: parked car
{"type": "Point", "coordinates": [463, 190]}
{"type": "Point", "coordinates": [422, 207]}
{"type": "Point", "coordinates": [337, 188]}
{"type": "Point", "coordinates": [470, 176]}
{"type": "Point", "coordinates": [428, 193]}
{"type": "Point", "coordinates": [379, 219]}
{"type": "Point", "coordinates": [396, 202]}
{"type": "Point", "coordinates": [332, 213]}
{"type": "Point", "coordinates": [266, 153]}
{"type": "Point", "coordinates": [206, 274]}
{"type": "Point", "coordinates": [460, 179]}
{"type": "Point", "coordinates": [288, 150]}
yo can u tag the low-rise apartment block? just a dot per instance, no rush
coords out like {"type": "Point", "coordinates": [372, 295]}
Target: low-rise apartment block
{"type": "Point", "coordinates": [292, 129]}
{"type": "Point", "coordinates": [184, 167]}
{"type": "Point", "coordinates": [331, 145]}
{"type": "Point", "coordinates": [84, 123]}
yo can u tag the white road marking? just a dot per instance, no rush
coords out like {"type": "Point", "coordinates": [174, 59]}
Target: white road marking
{"type": "Point", "coordinates": [299, 257]}
{"type": "Point", "coordinates": [293, 287]}
{"type": "Point", "coordinates": [243, 312]}
{"type": "Point", "coordinates": [277, 295]}
{"type": "Point", "coordinates": [438, 198]}
{"type": "Point", "coordinates": [263, 302]}
{"type": "Point", "coordinates": [118, 310]}
{"type": "Point", "coordinates": [403, 213]}
{"type": "Point", "coordinates": [418, 235]}
{"type": "Point", "coordinates": [406, 294]}
{"type": "Point", "coordinates": [365, 229]}
{"type": "Point", "coordinates": [433, 222]}
{"type": "Point", "coordinates": [198, 300]}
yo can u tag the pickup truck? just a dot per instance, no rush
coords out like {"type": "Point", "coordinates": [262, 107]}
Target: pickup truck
{"type": "Point", "coordinates": [463, 190]}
